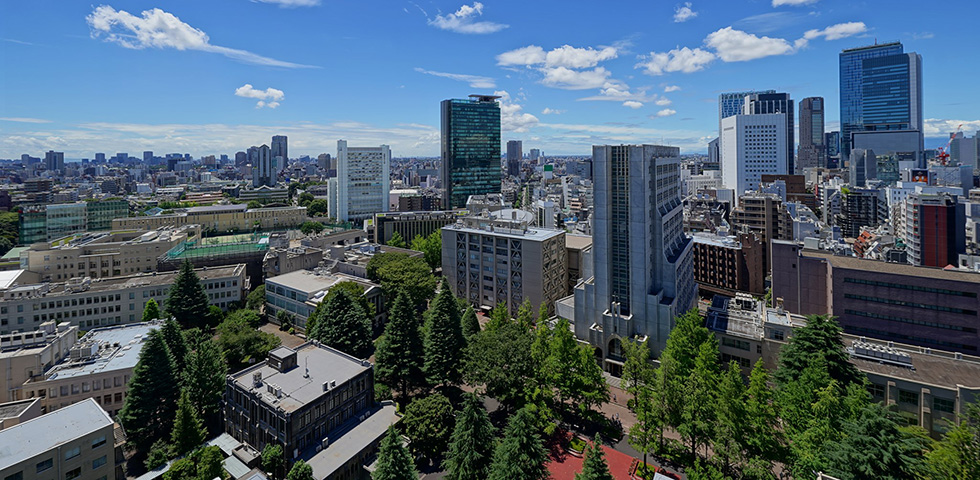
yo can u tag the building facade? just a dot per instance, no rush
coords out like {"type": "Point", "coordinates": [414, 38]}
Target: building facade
{"type": "Point", "coordinates": [753, 145]}
{"type": "Point", "coordinates": [852, 87]}
{"type": "Point", "coordinates": [43, 223]}
{"type": "Point", "coordinates": [220, 218]}
{"type": "Point", "coordinates": [263, 171]}
{"type": "Point", "coordinates": [362, 184]}
{"type": "Point", "coordinates": [470, 149]}
{"type": "Point", "coordinates": [515, 154]}
{"type": "Point", "coordinates": [812, 150]}
{"type": "Point", "coordinates": [727, 265]}
{"type": "Point", "coordinates": [775, 103]}
{"type": "Point", "coordinates": [411, 224]}
{"type": "Point", "coordinates": [280, 153]}
{"type": "Point", "coordinates": [733, 103]}
{"type": "Point", "coordinates": [299, 293]}
{"type": "Point", "coordinates": [934, 229]}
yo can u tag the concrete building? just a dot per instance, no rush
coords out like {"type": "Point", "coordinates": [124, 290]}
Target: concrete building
{"type": "Point", "coordinates": [729, 264]}
{"type": "Point", "coordinates": [470, 149]}
{"type": "Point", "coordinates": [776, 103]}
{"type": "Point", "coordinates": [263, 170]}
{"type": "Point", "coordinates": [934, 229]}
{"type": "Point", "coordinates": [279, 261]}
{"type": "Point", "coordinates": [752, 145]}
{"type": "Point", "coordinates": [861, 208]}
{"type": "Point", "coordinates": [764, 215]}
{"type": "Point", "coordinates": [362, 184]}
{"type": "Point", "coordinates": [16, 412]}
{"type": "Point", "coordinates": [515, 154]}
{"type": "Point", "coordinates": [24, 355]}
{"type": "Point", "coordinates": [54, 161]}
{"type": "Point", "coordinates": [494, 259]}
{"type": "Point", "coordinates": [220, 218]}
{"type": "Point", "coordinates": [929, 307]}
{"type": "Point", "coordinates": [300, 292]}
{"type": "Point", "coordinates": [578, 253]}
{"type": "Point", "coordinates": [280, 153]}
{"type": "Point", "coordinates": [812, 150]}
{"type": "Point", "coordinates": [74, 443]}
{"type": "Point", "coordinates": [643, 262]}
{"type": "Point", "coordinates": [89, 303]}
{"type": "Point", "coordinates": [264, 194]}
{"type": "Point", "coordinates": [965, 150]}
{"type": "Point", "coordinates": [733, 103]}
{"type": "Point", "coordinates": [314, 401]}
{"type": "Point", "coordinates": [410, 224]}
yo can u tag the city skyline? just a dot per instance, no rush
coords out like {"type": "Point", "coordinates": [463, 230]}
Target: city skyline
{"type": "Point", "coordinates": [205, 86]}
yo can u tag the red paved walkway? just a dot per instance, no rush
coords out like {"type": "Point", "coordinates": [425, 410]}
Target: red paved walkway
{"type": "Point", "coordinates": [564, 466]}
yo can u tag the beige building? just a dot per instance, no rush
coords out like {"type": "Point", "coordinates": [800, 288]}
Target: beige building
{"type": "Point", "coordinates": [103, 254]}
{"type": "Point", "coordinates": [89, 303]}
{"type": "Point", "coordinates": [28, 354]}
{"type": "Point", "coordinates": [220, 218]}
{"type": "Point", "coordinates": [13, 413]}
{"type": "Point", "coordinates": [75, 443]}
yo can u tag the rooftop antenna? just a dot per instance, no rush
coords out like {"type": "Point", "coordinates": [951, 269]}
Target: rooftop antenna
{"type": "Point", "coordinates": [306, 366]}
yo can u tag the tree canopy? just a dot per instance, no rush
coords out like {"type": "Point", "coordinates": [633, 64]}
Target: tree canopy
{"type": "Point", "coordinates": [151, 398]}
{"type": "Point", "coordinates": [399, 356]}
{"type": "Point", "coordinates": [187, 301]}
{"type": "Point", "coordinates": [340, 322]}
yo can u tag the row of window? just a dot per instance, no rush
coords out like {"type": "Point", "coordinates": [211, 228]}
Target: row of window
{"type": "Point", "coordinates": [903, 303]}
{"type": "Point", "coordinates": [914, 288]}
{"type": "Point", "coordinates": [910, 321]}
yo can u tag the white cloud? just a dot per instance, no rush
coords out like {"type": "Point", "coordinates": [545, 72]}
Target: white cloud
{"type": "Point", "coordinates": [565, 56]}
{"type": "Point", "coordinates": [551, 111]}
{"type": "Point", "coordinates": [269, 97]}
{"type": "Point", "coordinates": [512, 118]}
{"type": "Point", "coordinates": [159, 29]}
{"type": "Point", "coordinates": [463, 21]}
{"type": "Point", "coordinates": [671, 88]}
{"type": "Point", "coordinates": [837, 32]}
{"type": "Point", "coordinates": [475, 81]}
{"type": "Point", "coordinates": [666, 112]}
{"type": "Point", "coordinates": [632, 104]}
{"type": "Point", "coordinates": [936, 127]}
{"type": "Point", "coordinates": [568, 79]}
{"type": "Point", "coordinates": [684, 13]}
{"type": "Point", "coordinates": [793, 3]}
{"type": "Point", "coordinates": [923, 35]}
{"type": "Point", "coordinates": [684, 60]}
{"type": "Point", "coordinates": [663, 102]}
{"type": "Point", "coordinates": [529, 55]}
{"type": "Point", "coordinates": [24, 120]}
{"type": "Point", "coordinates": [737, 46]}
{"type": "Point", "coordinates": [291, 3]}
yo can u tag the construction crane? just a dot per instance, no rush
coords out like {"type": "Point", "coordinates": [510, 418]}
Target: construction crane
{"type": "Point", "coordinates": [943, 155]}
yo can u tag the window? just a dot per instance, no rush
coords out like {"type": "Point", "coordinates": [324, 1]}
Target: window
{"type": "Point", "coordinates": [16, 476]}
{"type": "Point", "coordinates": [72, 453]}
{"type": "Point", "coordinates": [98, 462]}
{"type": "Point", "coordinates": [943, 405]}
{"type": "Point", "coordinates": [73, 474]}
{"type": "Point", "coordinates": [877, 391]}
{"type": "Point", "coordinates": [906, 396]}
{"type": "Point", "coordinates": [45, 465]}
{"type": "Point", "coordinates": [98, 442]}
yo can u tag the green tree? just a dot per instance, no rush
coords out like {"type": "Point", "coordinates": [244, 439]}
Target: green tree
{"type": "Point", "coordinates": [273, 460]}
{"type": "Point", "coordinates": [521, 454]}
{"type": "Point", "coordinates": [241, 342]}
{"type": "Point", "coordinates": [957, 455]}
{"type": "Point", "coordinates": [647, 433]}
{"type": "Point", "coordinates": [595, 467]}
{"type": "Point", "coordinates": [397, 241]}
{"type": "Point", "coordinates": [762, 436]}
{"type": "Point", "coordinates": [874, 447]}
{"type": "Point", "coordinates": [305, 199]}
{"type": "Point", "coordinates": [525, 314]}
{"type": "Point", "coordinates": [256, 298]}
{"type": "Point", "coordinates": [820, 337]}
{"type": "Point", "coordinates": [356, 291]}
{"type": "Point", "coordinates": [399, 356]}
{"type": "Point", "coordinates": [311, 228]}
{"type": "Point", "coordinates": [317, 208]}
{"type": "Point", "coordinates": [468, 457]}
{"type": "Point", "coordinates": [246, 317]}
{"type": "Point", "coordinates": [676, 364]}
{"type": "Point", "coordinates": [210, 463]}
{"type": "Point", "coordinates": [571, 368]}
{"type": "Point", "coordinates": [254, 204]}
{"type": "Point", "coordinates": [444, 341]}
{"type": "Point", "coordinates": [204, 381]}
{"type": "Point", "coordinates": [698, 410]}
{"type": "Point", "coordinates": [470, 325]}
{"type": "Point", "coordinates": [637, 369]}
{"type": "Point", "coordinates": [158, 455]}
{"type": "Point", "coordinates": [342, 324]}
{"type": "Point", "coordinates": [187, 301]}
{"type": "Point", "coordinates": [429, 424]}
{"type": "Point", "coordinates": [150, 403]}
{"type": "Point", "coordinates": [151, 311]}
{"type": "Point", "coordinates": [394, 462]}
{"type": "Point", "coordinates": [300, 471]}
{"type": "Point", "coordinates": [730, 429]}
{"type": "Point", "coordinates": [500, 359]}
{"type": "Point", "coordinates": [176, 344]}
{"type": "Point", "coordinates": [397, 271]}
{"type": "Point", "coordinates": [431, 248]}
{"type": "Point", "coordinates": [181, 469]}
{"type": "Point", "coordinates": [285, 319]}
{"type": "Point", "coordinates": [188, 432]}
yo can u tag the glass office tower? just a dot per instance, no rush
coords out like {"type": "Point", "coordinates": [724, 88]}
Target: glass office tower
{"type": "Point", "coordinates": [732, 103]}
{"type": "Point", "coordinates": [470, 149]}
{"type": "Point", "coordinates": [892, 93]}
{"type": "Point", "coordinates": [852, 86]}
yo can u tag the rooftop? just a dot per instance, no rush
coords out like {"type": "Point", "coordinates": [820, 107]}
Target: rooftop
{"type": "Point", "coordinates": [855, 263]}
{"type": "Point", "coordinates": [577, 242]}
{"type": "Point", "coordinates": [218, 208]}
{"type": "Point", "coordinates": [932, 367]}
{"type": "Point", "coordinates": [78, 285]}
{"type": "Point", "coordinates": [311, 282]}
{"type": "Point", "coordinates": [14, 409]}
{"type": "Point", "coordinates": [491, 226]}
{"type": "Point", "coordinates": [104, 350]}
{"type": "Point", "coordinates": [341, 450]}
{"type": "Point", "coordinates": [299, 386]}
{"type": "Point", "coordinates": [27, 440]}
{"type": "Point", "coordinates": [716, 240]}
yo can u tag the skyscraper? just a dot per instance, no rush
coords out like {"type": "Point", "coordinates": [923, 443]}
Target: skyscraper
{"type": "Point", "coordinates": [733, 103]}
{"type": "Point", "coordinates": [813, 150]}
{"type": "Point", "coordinates": [280, 153]}
{"type": "Point", "coordinates": [852, 87]}
{"type": "Point", "coordinates": [147, 156]}
{"type": "Point", "coordinates": [769, 103]}
{"type": "Point", "coordinates": [752, 145]}
{"type": "Point", "coordinates": [262, 171]}
{"type": "Point", "coordinates": [362, 184]}
{"type": "Point", "coordinates": [832, 142]}
{"type": "Point", "coordinates": [644, 270]}
{"type": "Point", "coordinates": [54, 161]}
{"type": "Point", "coordinates": [514, 155]}
{"type": "Point", "coordinates": [470, 149]}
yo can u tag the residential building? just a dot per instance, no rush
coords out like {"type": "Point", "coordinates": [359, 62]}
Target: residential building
{"type": "Point", "coordinates": [110, 301]}
{"type": "Point", "coordinates": [752, 145]}
{"type": "Point", "coordinates": [315, 402]}
{"type": "Point", "coordinates": [812, 150]}
{"type": "Point", "coordinates": [515, 154]}
{"type": "Point", "coordinates": [362, 184]}
{"type": "Point", "coordinates": [411, 224]}
{"type": "Point", "coordinates": [934, 229]}
{"type": "Point", "coordinates": [852, 87]}
{"type": "Point", "coordinates": [300, 292]}
{"type": "Point", "coordinates": [764, 215]}
{"type": "Point", "coordinates": [861, 208]}
{"type": "Point", "coordinates": [75, 443]}
{"type": "Point", "coordinates": [729, 264]}
{"type": "Point", "coordinates": [643, 262]}
{"type": "Point", "coordinates": [499, 259]}
{"type": "Point", "coordinates": [929, 307]}
{"type": "Point", "coordinates": [279, 153]}
{"type": "Point", "coordinates": [220, 218]}
{"type": "Point", "coordinates": [27, 354]}
{"type": "Point", "coordinates": [54, 161]}
{"type": "Point", "coordinates": [263, 169]}
{"type": "Point", "coordinates": [796, 189]}
{"type": "Point", "coordinates": [470, 149]}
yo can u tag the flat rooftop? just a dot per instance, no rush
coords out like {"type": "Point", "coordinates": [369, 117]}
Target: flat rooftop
{"type": "Point", "coordinates": [878, 266]}
{"type": "Point", "coordinates": [122, 283]}
{"type": "Point", "coordinates": [530, 233]}
{"type": "Point", "coordinates": [716, 240]}
{"type": "Point", "coordinates": [577, 242]}
{"type": "Point", "coordinates": [341, 450]}
{"type": "Point", "coordinates": [298, 389]}
{"type": "Point", "coordinates": [311, 282]}
{"type": "Point", "coordinates": [15, 408]}
{"type": "Point", "coordinates": [27, 440]}
{"type": "Point", "coordinates": [939, 368]}
{"type": "Point", "coordinates": [109, 356]}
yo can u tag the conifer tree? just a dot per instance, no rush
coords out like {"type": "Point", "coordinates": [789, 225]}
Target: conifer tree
{"type": "Point", "coordinates": [470, 447]}
{"type": "Point", "coordinates": [820, 337]}
{"type": "Point", "coordinates": [343, 324]}
{"type": "Point", "coordinates": [394, 462]}
{"type": "Point", "coordinates": [176, 344]}
{"type": "Point", "coordinates": [151, 311]}
{"type": "Point", "coordinates": [444, 341]}
{"type": "Point", "coordinates": [399, 357]}
{"type": "Point", "coordinates": [204, 379]}
{"type": "Point", "coordinates": [187, 301]}
{"type": "Point", "coordinates": [698, 410]}
{"type": "Point", "coordinates": [521, 454]}
{"type": "Point", "coordinates": [762, 437]}
{"type": "Point", "coordinates": [188, 432]}
{"type": "Point", "coordinates": [730, 429]}
{"type": "Point", "coordinates": [595, 466]}
{"type": "Point", "coordinates": [470, 324]}
{"type": "Point", "coordinates": [151, 398]}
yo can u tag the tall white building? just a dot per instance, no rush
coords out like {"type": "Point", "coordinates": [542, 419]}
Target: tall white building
{"type": "Point", "coordinates": [752, 145]}
{"type": "Point", "coordinates": [362, 184]}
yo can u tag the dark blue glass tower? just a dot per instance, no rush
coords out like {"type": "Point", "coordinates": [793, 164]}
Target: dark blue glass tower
{"type": "Point", "coordinates": [470, 149]}
{"type": "Point", "coordinates": [852, 86]}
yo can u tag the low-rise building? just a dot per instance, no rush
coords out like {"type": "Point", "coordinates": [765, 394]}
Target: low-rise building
{"type": "Point", "coordinates": [280, 261]}
{"type": "Point", "coordinates": [25, 355]}
{"type": "Point", "coordinates": [352, 259]}
{"type": "Point", "coordinates": [40, 223]}
{"type": "Point", "coordinates": [300, 292]}
{"type": "Point", "coordinates": [578, 256]}
{"type": "Point", "coordinates": [729, 264]}
{"type": "Point", "coordinates": [220, 218]}
{"type": "Point", "coordinates": [410, 224]}
{"type": "Point", "coordinates": [19, 411]}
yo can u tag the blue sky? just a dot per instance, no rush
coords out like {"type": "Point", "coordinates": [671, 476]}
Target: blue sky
{"type": "Point", "coordinates": [216, 76]}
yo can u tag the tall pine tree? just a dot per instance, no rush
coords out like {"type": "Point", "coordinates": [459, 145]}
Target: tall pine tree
{"type": "Point", "coordinates": [187, 301]}
{"type": "Point", "coordinates": [204, 380]}
{"type": "Point", "coordinates": [188, 432]}
{"type": "Point", "coordinates": [470, 326]}
{"type": "Point", "coordinates": [819, 338]}
{"type": "Point", "coordinates": [443, 339]}
{"type": "Point", "coordinates": [176, 344]}
{"type": "Point", "coordinates": [394, 462]}
{"type": "Point", "coordinates": [151, 311]}
{"type": "Point", "coordinates": [595, 466]}
{"type": "Point", "coordinates": [521, 454]}
{"type": "Point", "coordinates": [343, 324]}
{"type": "Point", "coordinates": [399, 357]}
{"type": "Point", "coordinates": [470, 448]}
{"type": "Point", "coordinates": [151, 399]}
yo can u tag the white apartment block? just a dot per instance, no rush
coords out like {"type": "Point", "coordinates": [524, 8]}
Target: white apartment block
{"type": "Point", "coordinates": [363, 182]}
{"type": "Point", "coordinates": [752, 145]}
